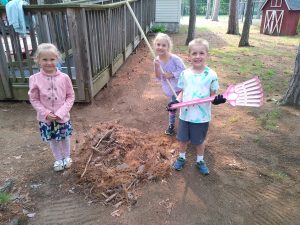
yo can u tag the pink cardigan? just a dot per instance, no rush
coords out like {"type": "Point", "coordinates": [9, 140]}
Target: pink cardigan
{"type": "Point", "coordinates": [51, 93]}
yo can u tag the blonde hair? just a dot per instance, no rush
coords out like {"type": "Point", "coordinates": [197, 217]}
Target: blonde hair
{"type": "Point", "coordinates": [199, 41]}
{"type": "Point", "coordinates": [46, 47]}
{"type": "Point", "coordinates": [163, 36]}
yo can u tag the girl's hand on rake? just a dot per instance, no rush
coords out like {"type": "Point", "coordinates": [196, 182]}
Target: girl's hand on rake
{"type": "Point", "coordinates": [168, 75]}
{"type": "Point", "coordinates": [156, 63]}
{"type": "Point", "coordinates": [168, 107]}
{"type": "Point", "coordinates": [219, 99]}
{"type": "Point", "coordinates": [157, 68]}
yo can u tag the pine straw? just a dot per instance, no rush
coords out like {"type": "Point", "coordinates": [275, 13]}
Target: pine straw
{"type": "Point", "coordinates": [115, 159]}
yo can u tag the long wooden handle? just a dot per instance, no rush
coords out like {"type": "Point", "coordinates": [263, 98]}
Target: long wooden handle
{"type": "Point", "coordinates": [147, 42]}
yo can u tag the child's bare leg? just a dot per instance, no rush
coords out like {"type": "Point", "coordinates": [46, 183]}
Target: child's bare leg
{"type": "Point", "coordinates": [182, 149]}
{"type": "Point", "coordinates": [200, 151]}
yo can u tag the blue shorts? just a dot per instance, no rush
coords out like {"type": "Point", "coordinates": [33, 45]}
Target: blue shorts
{"type": "Point", "coordinates": [194, 132]}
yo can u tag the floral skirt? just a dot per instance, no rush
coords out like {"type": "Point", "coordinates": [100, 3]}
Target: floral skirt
{"type": "Point", "coordinates": [55, 130]}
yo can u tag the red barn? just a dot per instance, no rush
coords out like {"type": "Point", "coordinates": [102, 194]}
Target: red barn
{"type": "Point", "coordinates": [280, 17]}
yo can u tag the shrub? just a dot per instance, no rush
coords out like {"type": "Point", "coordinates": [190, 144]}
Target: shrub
{"type": "Point", "coordinates": [159, 28]}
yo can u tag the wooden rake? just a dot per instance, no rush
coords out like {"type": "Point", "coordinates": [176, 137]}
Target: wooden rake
{"type": "Point", "coordinates": [247, 93]}
{"type": "Point", "coordinates": [147, 42]}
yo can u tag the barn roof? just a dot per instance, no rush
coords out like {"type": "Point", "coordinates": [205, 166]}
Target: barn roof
{"type": "Point", "coordinates": [291, 4]}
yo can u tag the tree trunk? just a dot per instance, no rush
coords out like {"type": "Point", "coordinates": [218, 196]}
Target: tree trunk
{"type": "Point", "coordinates": [192, 22]}
{"type": "Point", "coordinates": [246, 28]}
{"type": "Point", "coordinates": [208, 10]}
{"type": "Point", "coordinates": [292, 96]}
{"type": "Point", "coordinates": [216, 10]}
{"type": "Point", "coordinates": [233, 22]}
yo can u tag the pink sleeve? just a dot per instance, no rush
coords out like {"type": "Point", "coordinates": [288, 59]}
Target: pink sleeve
{"type": "Point", "coordinates": [34, 98]}
{"type": "Point", "coordinates": [70, 98]}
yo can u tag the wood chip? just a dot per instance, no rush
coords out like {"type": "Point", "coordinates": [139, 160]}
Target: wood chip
{"type": "Point", "coordinates": [118, 204]}
{"type": "Point", "coordinates": [111, 197]}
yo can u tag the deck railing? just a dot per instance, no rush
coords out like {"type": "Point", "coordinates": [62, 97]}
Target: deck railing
{"type": "Point", "coordinates": [94, 41]}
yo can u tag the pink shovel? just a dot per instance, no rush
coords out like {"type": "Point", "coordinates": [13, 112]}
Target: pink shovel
{"type": "Point", "coordinates": [247, 93]}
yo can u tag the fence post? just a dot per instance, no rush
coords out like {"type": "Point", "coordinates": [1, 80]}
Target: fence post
{"type": "Point", "coordinates": [79, 41]}
{"type": "Point", "coordinates": [4, 74]}
{"type": "Point", "coordinates": [124, 43]}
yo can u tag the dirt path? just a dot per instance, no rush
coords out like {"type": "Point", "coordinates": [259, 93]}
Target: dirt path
{"type": "Point", "coordinates": [254, 172]}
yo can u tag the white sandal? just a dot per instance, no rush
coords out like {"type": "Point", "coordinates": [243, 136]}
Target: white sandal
{"type": "Point", "coordinates": [67, 162]}
{"type": "Point", "coordinates": [58, 165]}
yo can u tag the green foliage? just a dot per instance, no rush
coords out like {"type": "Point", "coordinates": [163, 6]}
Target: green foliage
{"type": "Point", "coordinates": [298, 27]}
{"type": "Point", "coordinates": [4, 198]}
{"type": "Point", "coordinates": [157, 28]}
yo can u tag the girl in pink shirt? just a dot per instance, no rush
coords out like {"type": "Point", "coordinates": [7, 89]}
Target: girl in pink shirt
{"type": "Point", "coordinates": [52, 96]}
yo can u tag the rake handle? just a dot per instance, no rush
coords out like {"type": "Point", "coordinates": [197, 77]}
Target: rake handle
{"type": "Point", "coordinates": [192, 102]}
{"type": "Point", "coordinates": [147, 42]}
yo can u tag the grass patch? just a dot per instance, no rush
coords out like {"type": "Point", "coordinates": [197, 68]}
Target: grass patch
{"type": "Point", "coordinates": [5, 198]}
{"type": "Point", "coordinates": [268, 87]}
{"type": "Point", "coordinates": [279, 175]}
{"type": "Point", "coordinates": [270, 120]}
{"type": "Point", "coordinates": [181, 49]}
{"type": "Point", "coordinates": [258, 140]}
{"type": "Point", "coordinates": [233, 119]}
{"type": "Point", "coordinates": [203, 29]}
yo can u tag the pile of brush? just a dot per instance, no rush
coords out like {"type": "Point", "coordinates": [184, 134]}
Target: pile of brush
{"type": "Point", "coordinates": [114, 160]}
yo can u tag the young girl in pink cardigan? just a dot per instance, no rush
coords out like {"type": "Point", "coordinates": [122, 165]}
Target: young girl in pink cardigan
{"type": "Point", "coordinates": [52, 96]}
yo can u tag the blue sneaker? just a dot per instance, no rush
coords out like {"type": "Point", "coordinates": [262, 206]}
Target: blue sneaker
{"type": "Point", "coordinates": [202, 168]}
{"type": "Point", "coordinates": [179, 163]}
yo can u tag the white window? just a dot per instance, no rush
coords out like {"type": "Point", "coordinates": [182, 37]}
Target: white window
{"type": "Point", "coordinates": [276, 3]}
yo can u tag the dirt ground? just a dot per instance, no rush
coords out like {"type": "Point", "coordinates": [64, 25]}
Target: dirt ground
{"type": "Point", "coordinates": [254, 177]}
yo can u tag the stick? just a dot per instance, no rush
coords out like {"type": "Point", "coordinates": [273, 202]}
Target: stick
{"type": "Point", "coordinates": [147, 42]}
{"type": "Point", "coordinates": [131, 184]}
{"type": "Point", "coordinates": [103, 153]}
{"type": "Point", "coordinates": [86, 165]}
{"type": "Point", "coordinates": [104, 136]}
{"type": "Point", "coordinates": [111, 197]}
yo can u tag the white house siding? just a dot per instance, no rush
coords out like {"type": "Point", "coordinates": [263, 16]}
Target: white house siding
{"type": "Point", "coordinates": [168, 13]}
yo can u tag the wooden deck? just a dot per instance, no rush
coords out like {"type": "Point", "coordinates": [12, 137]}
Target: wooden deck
{"type": "Point", "coordinates": [94, 39]}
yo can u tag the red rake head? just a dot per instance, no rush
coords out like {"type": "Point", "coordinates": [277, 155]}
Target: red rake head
{"type": "Point", "coordinates": [248, 93]}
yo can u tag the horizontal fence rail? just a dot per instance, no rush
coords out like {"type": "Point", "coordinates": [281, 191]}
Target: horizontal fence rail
{"type": "Point", "coordinates": [94, 40]}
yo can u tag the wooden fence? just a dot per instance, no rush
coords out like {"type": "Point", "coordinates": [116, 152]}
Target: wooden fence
{"type": "Point", "coordinates": [94, 40]}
